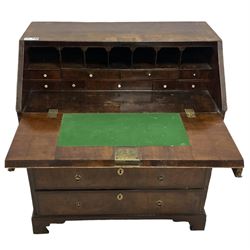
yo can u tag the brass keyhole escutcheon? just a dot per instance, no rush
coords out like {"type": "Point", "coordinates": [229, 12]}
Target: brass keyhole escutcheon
{"type": "Point", "coordinates": [78, 204]}
{"type": "Point", "coordinates": [120, 171]}
{"type": "Point", "coordinates": [160, 178]}
{"type": "Point", "coordinates": [78, 177]}
{"type": "Point", "coordinates": [119, 197]}
{"type": "Point", "coordinates": [159, 203]}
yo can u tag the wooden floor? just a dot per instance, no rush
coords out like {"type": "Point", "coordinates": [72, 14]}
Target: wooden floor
{"type": "Point", "coordinates": [35, 144]}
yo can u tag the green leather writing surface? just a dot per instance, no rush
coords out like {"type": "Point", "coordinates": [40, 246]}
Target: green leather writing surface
{"type": "Point", "coordinates": [122, 129]}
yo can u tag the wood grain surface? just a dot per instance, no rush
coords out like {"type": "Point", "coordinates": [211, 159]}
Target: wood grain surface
{"type": "Point", "coordinates": [126, 32]}
{"type": "Point", "coordinates": [211, 146]}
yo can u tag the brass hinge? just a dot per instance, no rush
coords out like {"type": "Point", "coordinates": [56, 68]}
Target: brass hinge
{"type": "Point", "coordinates": [190, 113]}
{"type": "Point", "coordinates": [127, 156]}
{"type": "Point", "coordinates": [52, 113]}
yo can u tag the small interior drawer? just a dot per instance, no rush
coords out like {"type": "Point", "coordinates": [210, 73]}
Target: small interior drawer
{"type": "Point", "coordinates": [196, 74]}
{"type": "Point", "coordinates": [42, 74]}
{"type": "Point", "coordinates": [103, 74]}
{"type": "Point", "coordinates": [101, 85]}
{"type": "Point", "coordinates": [74, 74]}
{"type": "Point", "coordinates": [119, 85]}
{"type": "Point", "coordinates": [128, 178]}
{"type": "Point", "coordinates": [119, 202]}
{"type": "Point", "coordinates": [149, 74]}
{"type": "Point", "coordinates": [90, 74]}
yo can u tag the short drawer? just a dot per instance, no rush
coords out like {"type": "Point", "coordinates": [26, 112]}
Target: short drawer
{"type": "Point", "coordinates": [102, 85]}
{"type": "Point", "coordinates": [42, 74]}
{"type": "Point", "coordinates": [119, 202]}
{"type": "Point", "coordinates": [149, 74]}
{"type": "Point", "coordinates": [110, 178]}
{"type": "Point", "coordinates": [196, 74]}
{"type": "Point", "coordinates": [103, 74]}
{"type": "Point", "coordinates": [91, 74]}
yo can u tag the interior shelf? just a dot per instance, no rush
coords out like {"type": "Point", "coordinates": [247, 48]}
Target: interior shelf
{"type": "Point", "coordinates": [168, 57]}
{"type": "Point", "coordinates": [197, 55]}
{"type": "Point", "coordinates": [144, 57]}
{"type": "Point", "coordinates": [96, 57]}
{"type": "Point", "coordinates": [43, 56]}
{"type": "Point", "coordinates": [167, 101]}
{"type": "Point", "coordinates": [120, 57]}
{"type": "Point", "coordinates": [72, 57]}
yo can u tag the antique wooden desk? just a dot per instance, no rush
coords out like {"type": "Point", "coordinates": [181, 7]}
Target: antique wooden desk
{"type": "Point", "coordinates": [121, 120]}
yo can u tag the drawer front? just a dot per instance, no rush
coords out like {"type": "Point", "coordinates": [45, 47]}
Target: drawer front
{"type": "Point", "coordinates": [149, 74]}
{"type": "Point", "coordinates": [71, 74]}
{"type": "Point", "coordinates": [42, 74]}
{"type": "Point", "coordinates": [181, 85]}
{"type": "Point", "coordinates": [90, 74]}
{"type": "Point", "coordinates": [53, 85]}
{"type": "Point", "coordinates": [119, 202]}
{"type": "Point", "coordinates": [119, 85]}
{"type": "Point", "coordinates": [196, 74]}
{"type": "Point", "coordinates": [103, 74]}
{"type": "Point", "coordinates": [110, 178]}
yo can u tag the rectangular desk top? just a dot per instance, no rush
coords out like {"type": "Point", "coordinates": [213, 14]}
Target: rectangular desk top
{"type": "Point", "coordinates": [120, 32]}
{"type": "Point", "coordinates": [35, 145]}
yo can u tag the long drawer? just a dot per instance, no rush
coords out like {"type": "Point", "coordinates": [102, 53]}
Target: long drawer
{"type": "Point", "coordinates": [119, 202]}
{"type": "Point", "coordinates": [123, 178]}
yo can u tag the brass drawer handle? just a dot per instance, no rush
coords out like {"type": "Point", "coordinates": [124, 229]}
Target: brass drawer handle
{"type": "Point", "coordinates": [120, 171]}
{"type": "Point", "coordinates": [78, 204]}
{"type": "Point", "coordinates": [45, 75]}
{"type": "Point", "coordinates": [78, 177]}
{"type": "Point", "coordinates": [119, 197]}
{"type": "Point", "coordinates": [159, 203]}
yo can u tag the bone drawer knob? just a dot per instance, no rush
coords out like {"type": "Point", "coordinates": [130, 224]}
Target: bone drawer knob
{"type": "Point", "coordinates": [78, 177]}
{"type": "Point", "coordinates": [119, 197]}
{"type": "Point", "coordinates": [159, 203]}
{"type": "Point", "coordinates": [120, 171]}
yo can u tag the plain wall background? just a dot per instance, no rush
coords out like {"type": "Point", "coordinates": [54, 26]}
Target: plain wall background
{"type": "Point", "coordinates": [228, 201]}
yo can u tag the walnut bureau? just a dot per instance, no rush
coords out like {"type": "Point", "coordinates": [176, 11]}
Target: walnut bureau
{"type": "Point", "coordinates": [106, 76]}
